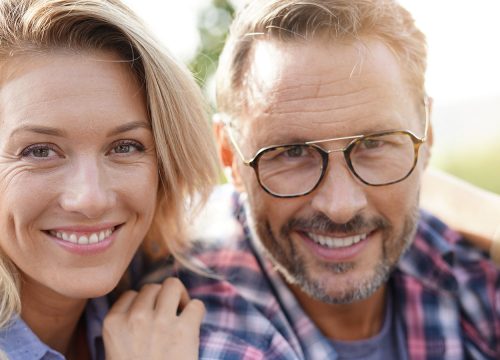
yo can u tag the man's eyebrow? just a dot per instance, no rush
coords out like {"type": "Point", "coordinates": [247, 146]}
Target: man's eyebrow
{"type": "Point", "coordinates": [39, 129]}
{"type": "Point", "coordinates": [129, 126]}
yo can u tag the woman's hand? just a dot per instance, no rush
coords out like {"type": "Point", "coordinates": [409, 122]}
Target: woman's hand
{"type": "Point", "coordinates": [158, 322]}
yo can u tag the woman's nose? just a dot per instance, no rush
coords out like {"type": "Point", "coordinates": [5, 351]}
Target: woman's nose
{"type": "Point", "coordinates": [87, 189]}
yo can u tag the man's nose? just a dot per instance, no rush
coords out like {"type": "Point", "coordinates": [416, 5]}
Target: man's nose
{"type": "Point", "coordinates": [340, 195]}
{"type": "Point", "coordinates": [87, 189]}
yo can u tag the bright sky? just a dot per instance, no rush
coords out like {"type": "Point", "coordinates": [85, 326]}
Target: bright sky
{"type": "Point", "coordinates": [463, 65]}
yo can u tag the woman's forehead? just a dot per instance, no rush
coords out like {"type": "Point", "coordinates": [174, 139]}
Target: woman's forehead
{"type": "Point", "coordinates": [93, 86]}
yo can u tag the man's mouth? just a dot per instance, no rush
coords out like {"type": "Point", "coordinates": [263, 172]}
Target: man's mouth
{"type": "Point", "coordinates": [336, 242]}
{"type": "Point", "coordinates": [82, 238]}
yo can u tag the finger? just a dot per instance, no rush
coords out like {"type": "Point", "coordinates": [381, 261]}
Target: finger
{"type": "Point", "coordinates": [172, 297]}
{"type": "Point", "coordinates": [124, 302]}
{"type": "Point", "coordinates": [193, 312]}
{"type": "Point", "coordinates": [146, 298]}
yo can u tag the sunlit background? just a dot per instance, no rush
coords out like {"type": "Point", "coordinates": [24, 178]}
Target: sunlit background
{"type": "Point", "coordinates": [463, 70]}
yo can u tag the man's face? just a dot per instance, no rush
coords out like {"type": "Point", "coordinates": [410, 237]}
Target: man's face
{"type": "Point", "coordinates": [339, 243]}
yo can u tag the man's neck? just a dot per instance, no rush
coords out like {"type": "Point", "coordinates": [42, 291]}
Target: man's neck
{"type": "Point", "coordinates": [345, 322]}
{"type": "Point", "coordinates": [52, 317]}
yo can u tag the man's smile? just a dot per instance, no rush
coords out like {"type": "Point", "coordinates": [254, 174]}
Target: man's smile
{"type": "Point", "coordinates": [335, 242]}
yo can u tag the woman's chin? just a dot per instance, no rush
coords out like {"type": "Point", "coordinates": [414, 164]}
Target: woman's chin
{"type": "Point", "coordinates": [88, 291]}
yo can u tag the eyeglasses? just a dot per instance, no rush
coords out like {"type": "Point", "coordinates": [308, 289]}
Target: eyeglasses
{"type": "Point", "coordinates": [376, 159]}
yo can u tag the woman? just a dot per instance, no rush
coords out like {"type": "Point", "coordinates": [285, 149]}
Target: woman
{"type": "Point", "coordinates": [97, 127]}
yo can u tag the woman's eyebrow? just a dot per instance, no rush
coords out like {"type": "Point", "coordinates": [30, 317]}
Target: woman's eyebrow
{"type": "Point", "coordinates": [129, 126]}
{"type": "Point", "coordinates": [47, 130]}
{"type": "Point", "coordinates": [39, 129]}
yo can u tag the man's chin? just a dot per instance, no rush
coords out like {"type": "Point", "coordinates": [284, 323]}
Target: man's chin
{"type": "Point", "coordinates": [332, 283]}
{"type": "Point", "coordinates": [339, 288]}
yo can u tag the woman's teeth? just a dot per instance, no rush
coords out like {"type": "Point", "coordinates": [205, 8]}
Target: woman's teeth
{"type": "Point", "coordinates": [87, 239]}
{"type": "Point", "coordinates": [333, 242]}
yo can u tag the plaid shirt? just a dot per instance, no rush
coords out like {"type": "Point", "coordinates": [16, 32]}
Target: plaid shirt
{"type": "Point", "coordinates": [447, 299]}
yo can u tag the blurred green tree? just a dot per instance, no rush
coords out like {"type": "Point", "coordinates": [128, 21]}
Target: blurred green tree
{"type": "Point", "coordinates": [213, 25]}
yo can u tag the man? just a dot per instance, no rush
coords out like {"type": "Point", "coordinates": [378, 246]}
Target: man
{"type": "Point", "coordinates": [324, 122]}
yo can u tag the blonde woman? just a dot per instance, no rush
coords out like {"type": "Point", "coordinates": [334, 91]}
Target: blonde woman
{"type": "Point", "coordinates": [97, 127]}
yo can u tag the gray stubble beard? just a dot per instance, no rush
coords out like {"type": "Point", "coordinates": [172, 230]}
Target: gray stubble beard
{"type": "Point", "coordinates": [293, 267]}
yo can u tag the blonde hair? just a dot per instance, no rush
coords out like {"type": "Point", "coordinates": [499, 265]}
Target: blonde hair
{"type": "Point", "coordinates": [330, 20]}
{"type": "Point", "coordinates": [187, 160]}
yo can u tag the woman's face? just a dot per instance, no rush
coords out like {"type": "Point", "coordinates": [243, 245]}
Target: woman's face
{"type": "Point", "coordinates": [78, 172]}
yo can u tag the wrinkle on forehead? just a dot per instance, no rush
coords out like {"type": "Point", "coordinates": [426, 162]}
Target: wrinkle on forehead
{"type": "Point", "coordinates": [340, 88]}
{"type": "Point", "coordinates": [273, 84]}
{"type": "Point", "coordinates": [271, 60]}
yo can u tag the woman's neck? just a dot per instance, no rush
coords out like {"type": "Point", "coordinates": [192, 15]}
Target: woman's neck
{"type": "Point", "coordinates": [51, 316]}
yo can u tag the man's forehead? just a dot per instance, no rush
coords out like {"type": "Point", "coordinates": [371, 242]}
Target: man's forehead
{"type": "Point", "coordinates": [276, 68]}
{"type": "Point", "coordinates": [297, 89]}
{"type": "Point", "coordinates": [284, 73]}
{"type": "Point", "coordinates": [285, 53]}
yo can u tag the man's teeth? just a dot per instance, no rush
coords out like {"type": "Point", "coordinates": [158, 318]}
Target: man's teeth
{"type": "Point", "coordinates": [90, 238]}
{"type": "Point", "coordinates": [333, 242]}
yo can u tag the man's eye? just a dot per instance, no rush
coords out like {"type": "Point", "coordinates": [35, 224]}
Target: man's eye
{"type": "Point", "coordinates": [370, 144]}
{"type": "Point", "coordinates": [295, 151]}
{"type": "Point", "coordinates": [39, 151]}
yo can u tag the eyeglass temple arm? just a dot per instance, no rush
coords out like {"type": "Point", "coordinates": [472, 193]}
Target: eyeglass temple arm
{"type": "Point", "coordinates": [427, 116]}
{"type": "Point", "coordinates": [226, 122]}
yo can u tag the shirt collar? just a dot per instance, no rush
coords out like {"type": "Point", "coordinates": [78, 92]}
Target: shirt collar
{"type": "Point", "coordinates": [309, 340]}
{"type": "Point", "coordinates": [20, 343]}
{"type": "Point", "coordinates": [431, 257]}
{"type": "Point", "coordinates": [303, 335]}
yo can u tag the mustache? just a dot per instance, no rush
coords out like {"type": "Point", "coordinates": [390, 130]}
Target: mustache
{"type": "Point", "coordinates": [319, 222]}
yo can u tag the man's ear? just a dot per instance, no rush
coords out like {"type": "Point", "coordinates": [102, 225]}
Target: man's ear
{"type": "Point", "coordinates": [227, 155]}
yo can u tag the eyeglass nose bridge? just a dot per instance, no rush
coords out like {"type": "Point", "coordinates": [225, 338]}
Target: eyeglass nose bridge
{"type": "Point", "coordinates": [325, 155]}
{"type": "Point", "coordinates": [340, 150]}
{"type": "Point", "coordinates": [352, 139]}
{"type": "Point", "coordinates": [344, 150]}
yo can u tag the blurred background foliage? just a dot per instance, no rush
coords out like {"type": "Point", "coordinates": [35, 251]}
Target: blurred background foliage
{"type": "Point", "coordinates": [213, 24]}
{"type": "Point", "coordinates": [479, 164]}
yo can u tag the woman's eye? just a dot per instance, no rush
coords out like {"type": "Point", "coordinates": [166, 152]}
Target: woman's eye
{"type": "Point", "coordinates": [39, 151]}
{"type": "Point", "coordinates": [127, 147]}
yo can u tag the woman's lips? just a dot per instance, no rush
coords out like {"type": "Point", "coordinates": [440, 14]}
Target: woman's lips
{"type": "Point", "coordinates": [84, 241]}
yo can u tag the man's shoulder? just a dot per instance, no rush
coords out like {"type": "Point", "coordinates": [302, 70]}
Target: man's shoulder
{"type": "Point", "coordinates": [243, 318]}
{"type": "Point", "coordinates": [442, 259]}
{"type": "Point", "coordinates": [439, 249]}
{"type": "Point", "coordinates": [455, 289]}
